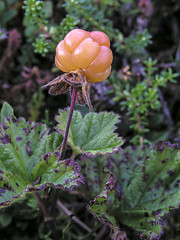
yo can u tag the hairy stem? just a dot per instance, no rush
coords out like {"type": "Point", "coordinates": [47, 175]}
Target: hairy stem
{"type": "Point", "coordinates": [47, 218]}
{"type": "Point", "coordinates": [73, 99]}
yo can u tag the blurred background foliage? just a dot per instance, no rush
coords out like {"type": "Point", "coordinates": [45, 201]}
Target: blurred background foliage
{"type": "Point", "coordinates": [144, 87]}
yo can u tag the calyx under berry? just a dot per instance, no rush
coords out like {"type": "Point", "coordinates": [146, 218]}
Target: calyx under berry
{"type": "Point", "coordinates": [67, 81]}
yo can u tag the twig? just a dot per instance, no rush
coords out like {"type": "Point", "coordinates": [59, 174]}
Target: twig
{"type": "Point", "coordinates": [75, 219]}
{"type": "Point", "coordinates": [47, 218]}
{"type": "Point", "coordinates": [73, 99]}
{"type": "Point", "coordinates": [101, 232]}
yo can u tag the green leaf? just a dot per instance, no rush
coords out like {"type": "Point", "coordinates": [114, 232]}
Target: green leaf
{"type": "Point", "coordinates": [29, 161]}
{"type": "Point", "coordinates": [146, 188]}
{"type": "Point", "coordinates": [95, 173]}
{"type": "Point", "coordinates": [100, 182]}
{"type": "Point", "coordinates": [6, 111]}
{"type": "Point", "coordinates": [93, 134]}
{"type": "Point", "coordinates": [5, 219]}
{"type": "Point", "coordinates": [99, 207]}
{"type": "Point", "coordinates": [149, 179]}
{"type": "Point", "coordinates": [51, 172]}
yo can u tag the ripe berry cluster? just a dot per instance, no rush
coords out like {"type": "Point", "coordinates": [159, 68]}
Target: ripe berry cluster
{"type": "Point", "coordinates": [89, 51]}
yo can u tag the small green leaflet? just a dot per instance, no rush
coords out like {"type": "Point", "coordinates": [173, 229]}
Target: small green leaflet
{"type": "Point", "coordinates": [6, 111]}
{"type": "Point", "coordinates": [93, 134]}
{"type": "Point", "coordinates": [29, 160]}
{"type": "Point", "coordinates": [147, 188]}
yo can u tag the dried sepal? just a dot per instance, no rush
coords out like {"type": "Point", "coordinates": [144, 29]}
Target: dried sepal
{"type": "Point", "coordinates": [69, 80]}
{"type": "Point", "coordinates": [57, 86]}
{"type": "Point", "coordinates": [59, 89]}
{"type": "Point", "coordinates": [86, 94]}
{"type": "Point", "coordinates": [53, 82]}
{"type": "Point", "coordinates": [79, 96]}
{"type": "Point", "coordinates": [74, 78]}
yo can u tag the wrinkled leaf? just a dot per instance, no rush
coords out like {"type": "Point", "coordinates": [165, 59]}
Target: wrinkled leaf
{"type": "Point", "coordinates": [63, 174]}
{"type": "Point", "coordinates": [101, 185]}
{"type": "Point", "coordinates": [27, 161]}
{"type": "Point", "coordinates": [149, 178]}
{"type": "Point", "coordinates": [95, 174]}
{"type": "Point", "coordinates": [99, 207]}
{"type": "Point", "coordinates": [147, 188]}
{"type": "Point", "coordinates": [93, 134]}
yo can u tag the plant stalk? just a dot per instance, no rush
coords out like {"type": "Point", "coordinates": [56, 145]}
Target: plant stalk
{"type": "Point", "coordinates": [47, 218]}
{"type": "Point", "coordinates": [73, 99]}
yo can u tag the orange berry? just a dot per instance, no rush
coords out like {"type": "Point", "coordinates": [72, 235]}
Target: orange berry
{"type": "Point", "coordinates": [85, 53]}
{"type": "Point", "coordinates": [88, 51]}
{"type": "Point", "coordinates": [98, 77]}
{"type": "Point", "coordinates": [102, 61]}
{"type": "Point", "coordinates": [64, 57]}
{"type": "Point", "coordinates": [58, 65]}
{"type": "Point", "coordinates": [101, 38]}
{"type": "Point", "coordinates": [74, 38]}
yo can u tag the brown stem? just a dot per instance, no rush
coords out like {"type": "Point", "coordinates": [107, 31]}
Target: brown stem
{"type": "Point", "coordinates": [75, 219]}
{"type": "Point", "coordinates": [47, 218]}
{"type": "Point", "coordinates": [101, 232]}
{"type": "Point", "coordinates": [73, 99]}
